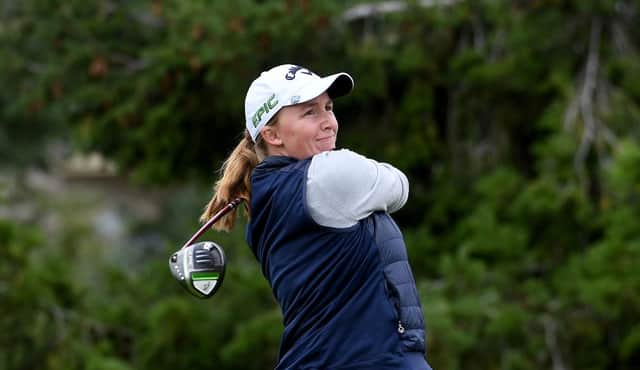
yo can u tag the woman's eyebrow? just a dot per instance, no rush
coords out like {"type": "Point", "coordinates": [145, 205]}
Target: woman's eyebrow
{"type": "Point", "coordinates": [308, 104]}
{"type": "Point", "coordinates": [313, 103]}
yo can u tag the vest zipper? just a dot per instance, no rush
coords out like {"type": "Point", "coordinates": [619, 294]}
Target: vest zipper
{"type": "Point", "coordinates": [400, 327]}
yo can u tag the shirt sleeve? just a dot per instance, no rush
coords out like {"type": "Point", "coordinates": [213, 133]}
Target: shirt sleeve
{"type": "Point", "coordinates": [344, 187]}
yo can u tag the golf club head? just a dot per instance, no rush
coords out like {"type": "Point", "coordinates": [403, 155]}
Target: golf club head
{"type": "Point", "coordinates": [199, 268]}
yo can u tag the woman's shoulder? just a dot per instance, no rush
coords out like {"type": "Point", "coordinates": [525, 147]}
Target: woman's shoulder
{"type": "Point", "coordinates": [340, 163]}
{"type": "Point", "coordinates": [335, 180]}
{"type": "Point", "coordinates": [342, 172]}
{"type": "Point", "coordinates": [345, 186]}
{"type": "Point", "coordinates": [338, 155]}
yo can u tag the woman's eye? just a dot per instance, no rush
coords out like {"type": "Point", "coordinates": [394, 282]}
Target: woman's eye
{"type": "Point", "coordinates": [308, 112]}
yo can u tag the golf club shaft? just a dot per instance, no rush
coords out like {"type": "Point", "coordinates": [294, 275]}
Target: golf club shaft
{"type": "Point", "coordinates": [233, 204]}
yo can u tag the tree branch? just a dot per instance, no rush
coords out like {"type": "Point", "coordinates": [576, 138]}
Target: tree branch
{"type": "Point", "coordinates": [385, 7]}
{"type": "Point", "coordinates": [587, 95]}
{"type": "Point", "coordinates": [551, 340]}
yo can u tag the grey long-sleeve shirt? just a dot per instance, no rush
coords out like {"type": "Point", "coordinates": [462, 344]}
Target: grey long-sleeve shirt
{"type": "Point", "coordinates": [344, 187]}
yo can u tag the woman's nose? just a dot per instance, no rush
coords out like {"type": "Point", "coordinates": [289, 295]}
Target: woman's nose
{"type": "Point", "coordinates": [329, 121]}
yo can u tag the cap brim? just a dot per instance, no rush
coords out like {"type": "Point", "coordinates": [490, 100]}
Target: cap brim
{"type": "Point", "coordinates": [342, 85]}
{"type": "Point", "coordinates": [335, 85]}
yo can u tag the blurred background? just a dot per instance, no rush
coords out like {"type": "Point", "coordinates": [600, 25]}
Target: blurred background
{"type": "Point", "coordinates": [517, 123]}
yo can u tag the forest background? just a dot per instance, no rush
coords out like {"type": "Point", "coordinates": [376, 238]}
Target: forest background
{"type": "Point", "coordinates": [517, 123]}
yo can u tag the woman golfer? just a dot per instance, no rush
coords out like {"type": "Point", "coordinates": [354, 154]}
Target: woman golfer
{"type": "Point", "coordinates": [320, 227]}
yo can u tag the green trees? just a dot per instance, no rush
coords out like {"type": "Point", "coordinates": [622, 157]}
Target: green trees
{"type": "Point", "coordinates": [516, 122]}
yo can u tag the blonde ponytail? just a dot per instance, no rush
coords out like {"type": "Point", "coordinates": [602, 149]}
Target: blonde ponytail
{"type": "Point", "coordinates": [235, 182]}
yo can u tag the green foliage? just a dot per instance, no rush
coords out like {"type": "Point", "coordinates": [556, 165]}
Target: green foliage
{"type": "Point", "coordinates": [260, 332]}
{"type": "Point", "coordinates": [38, 287]}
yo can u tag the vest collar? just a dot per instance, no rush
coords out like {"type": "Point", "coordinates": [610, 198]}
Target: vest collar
{"type": "Point", "coordinates": [273, 163]}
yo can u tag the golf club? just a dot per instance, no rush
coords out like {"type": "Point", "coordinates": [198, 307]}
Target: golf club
{"type": "Point", "coordinates": [199, 267]}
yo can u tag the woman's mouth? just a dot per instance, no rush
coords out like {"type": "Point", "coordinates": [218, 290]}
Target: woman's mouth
{"type": "Point", "coordinates": [326, 138]}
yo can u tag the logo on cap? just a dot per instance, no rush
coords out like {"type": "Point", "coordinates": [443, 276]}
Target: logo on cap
{"type": "Point", "coordinates": [264, 108]}
{"type": "Point", "coordinates": [294, 69]}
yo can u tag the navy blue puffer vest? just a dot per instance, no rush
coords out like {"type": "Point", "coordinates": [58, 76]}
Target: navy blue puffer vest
{"type": "Point", "coordinates": [348, 297]}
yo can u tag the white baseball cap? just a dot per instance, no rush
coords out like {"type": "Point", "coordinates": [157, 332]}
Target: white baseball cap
{"type": "Point", "coordinates": [285, 85]}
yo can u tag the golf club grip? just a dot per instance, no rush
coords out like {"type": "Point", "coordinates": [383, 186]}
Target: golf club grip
{"type": "Point", "coordinates": [233, 204]}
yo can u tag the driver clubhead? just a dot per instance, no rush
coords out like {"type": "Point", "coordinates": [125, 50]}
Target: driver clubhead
{"type": "Point", "coordinates": [199, 268]}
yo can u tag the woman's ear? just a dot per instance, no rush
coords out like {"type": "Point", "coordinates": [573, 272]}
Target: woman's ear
{"type": "Point", "coordinates": [271, 135]}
